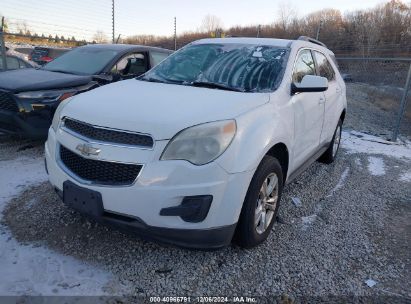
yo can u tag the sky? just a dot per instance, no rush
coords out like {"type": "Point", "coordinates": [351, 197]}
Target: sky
{"type": "Point", "coordinates": [82, 18]}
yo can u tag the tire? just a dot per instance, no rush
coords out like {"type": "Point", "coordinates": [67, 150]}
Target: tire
{"type": "Point", "coordinates": [331, 153]}
{"type": "Point", "coordinates": [251, 231]}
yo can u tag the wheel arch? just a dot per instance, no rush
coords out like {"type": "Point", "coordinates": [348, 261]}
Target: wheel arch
{"type": "Point", "coordinates": [280, 151]}
{"type": "Point", "coordinates": [342, 116]}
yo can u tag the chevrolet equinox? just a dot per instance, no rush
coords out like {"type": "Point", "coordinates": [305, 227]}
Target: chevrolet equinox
{"type": "Point", "coordinates": [196, 151]}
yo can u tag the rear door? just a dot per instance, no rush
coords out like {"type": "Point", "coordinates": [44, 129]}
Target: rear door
{"type": "Point", "coordinates": [308, 111]}
{"type": "Point", "coordinates": [332, 94]}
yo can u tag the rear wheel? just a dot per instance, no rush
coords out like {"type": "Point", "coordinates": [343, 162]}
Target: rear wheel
{"type": "Point", "coordinates": [329, 156]}
{"type": "Point", "coordinates": [261, 204]}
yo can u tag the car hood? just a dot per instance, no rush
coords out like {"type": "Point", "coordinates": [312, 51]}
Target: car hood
{"type": "Point", "coordinates": [35, 80]}
{"type": "Point", "coordinates": [158, 109]}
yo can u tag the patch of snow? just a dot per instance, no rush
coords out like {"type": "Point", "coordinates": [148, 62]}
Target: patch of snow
{"type": "Point", "coordinates": [17, 174]}
{"type": "Point", "coordinates": [357, 142]}
{"type": "Point", "coordinates": [376, 166]}
{"type": "Point", "coordinates": [28, 270]}
{"type": "Point", "coordinates": [308, 220]}
{"type": "Point", "coordinates": [405, 177]}
{"type": "Point", "coordinates": [358, 163]}
{"type": "Point", "coordinates": [340, 183]}
{"type": "Point", "coordinates": [296, 201]}
{"type": "Point", "coordinates": [370, 283]}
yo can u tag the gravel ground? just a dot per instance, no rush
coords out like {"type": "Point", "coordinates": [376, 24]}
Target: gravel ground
{"type": "Point", "coordinates": [363, 114]}
{"type": "Point", "coordinates": [353, 225]}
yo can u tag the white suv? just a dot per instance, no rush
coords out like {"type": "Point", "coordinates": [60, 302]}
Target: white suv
{"type": "Point", "coordinates": [197, 151]}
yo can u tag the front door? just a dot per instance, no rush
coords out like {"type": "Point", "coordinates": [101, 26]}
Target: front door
{"type": "Point", "coordinates": [332, 95]}
{"type": "Point", "coordinates": [308, 111]}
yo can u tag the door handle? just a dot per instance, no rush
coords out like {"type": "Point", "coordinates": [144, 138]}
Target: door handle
{"type": "Point", "coordinates": [321, 101]}
{"type": "Point", "coordinates": [338, 90]}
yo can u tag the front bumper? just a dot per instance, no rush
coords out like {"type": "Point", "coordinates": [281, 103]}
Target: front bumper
{"type": "Point", "coordinates": [206, 239]}
{"type": "Point", "coordinates": [160, 185]}
{"type": "Point", "coordinates": [29, 123]}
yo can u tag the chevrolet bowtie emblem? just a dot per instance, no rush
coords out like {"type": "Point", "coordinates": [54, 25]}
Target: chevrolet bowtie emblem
{"type": "Point", "coordinates": [87, 149]}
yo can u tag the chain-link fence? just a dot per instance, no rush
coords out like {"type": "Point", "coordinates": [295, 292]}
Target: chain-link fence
{"type": "Point", "coordinates": [383, 82]}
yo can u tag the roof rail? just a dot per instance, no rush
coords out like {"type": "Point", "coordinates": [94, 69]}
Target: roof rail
{"type": "Point", "coordinates": [312, 40]}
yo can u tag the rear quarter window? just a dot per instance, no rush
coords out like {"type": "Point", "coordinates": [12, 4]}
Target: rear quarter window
{"type": "Point", "coordinates": [325, 69]}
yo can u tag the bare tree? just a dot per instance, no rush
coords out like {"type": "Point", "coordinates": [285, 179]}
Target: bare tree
{"type": "Point", "coordinates": [286, 13]}
{"type": "Point", "coordinates": [23, 28]}
{"type": "Point", "coordinates": [211, 23]}
{"type": "Point", "coordinates": [100, 37]}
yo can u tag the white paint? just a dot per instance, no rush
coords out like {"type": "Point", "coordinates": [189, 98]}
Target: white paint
{"type": "Point", "coordinates": [28, 270]}
{"type": "Point", "coordinates": [376, 166]}
{"type": "Point", "coordinates": [357, 142]}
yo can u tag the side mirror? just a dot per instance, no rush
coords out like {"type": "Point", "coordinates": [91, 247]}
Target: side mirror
{"type": "Point", "coordinates": [310, 83]}
{"type": "Point", "coordinates": [116, 76]}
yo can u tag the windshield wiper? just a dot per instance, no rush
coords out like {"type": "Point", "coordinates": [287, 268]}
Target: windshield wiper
{"type": "Point", "coordinates": [151, 79]}
{"type": "Point", "coordinates": [215, 85]}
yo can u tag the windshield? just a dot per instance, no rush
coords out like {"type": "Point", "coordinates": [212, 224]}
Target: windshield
{"type": "Point", "coordinates": [82, 61]}
{"type": "Point", "coordinates": [240, 67]}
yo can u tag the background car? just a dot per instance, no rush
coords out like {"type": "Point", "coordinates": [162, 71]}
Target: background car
{"type": "Point", "coordinates": [29, 97]}
{"type": "Point", "coordinates": [43, 55]}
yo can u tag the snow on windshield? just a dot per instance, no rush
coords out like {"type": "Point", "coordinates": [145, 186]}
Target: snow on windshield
{"type": "Point", "coordinates": [248, 67]}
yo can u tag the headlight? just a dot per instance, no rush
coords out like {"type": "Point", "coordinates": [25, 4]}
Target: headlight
{"type": "Point", "coordinates": [47, 96]}
{"type": "Point", "coordinates": [201, 144]}
{"type": "Point", "coordinates": [56, 117]}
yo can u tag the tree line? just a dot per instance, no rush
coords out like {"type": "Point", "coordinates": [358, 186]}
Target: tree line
{"type": "Point", "coordinates": [384, 30]}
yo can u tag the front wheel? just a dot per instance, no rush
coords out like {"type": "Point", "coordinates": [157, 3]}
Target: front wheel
{"type": "Point", "coordinates": [329, 156]}
{"type": "Point", "coordinates": [261, 204]}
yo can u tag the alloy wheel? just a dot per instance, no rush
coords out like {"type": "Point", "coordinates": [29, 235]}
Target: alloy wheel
{"type": "Point", "coordinates": [266, 203]}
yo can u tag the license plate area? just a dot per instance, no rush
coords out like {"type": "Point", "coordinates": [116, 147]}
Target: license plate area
{"type": "Point", "coordinates": [86, 201]}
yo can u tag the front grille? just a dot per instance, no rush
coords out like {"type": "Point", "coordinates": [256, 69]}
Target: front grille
{"type": "Point", "coordinates": [97, 171]}
{"type": "Point", "coordinates": [7, 102]}
{"type": "Point", "coordinates": [108, 135]}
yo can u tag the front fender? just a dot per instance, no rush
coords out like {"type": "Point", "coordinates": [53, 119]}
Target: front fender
{"type": "Point", "coordinates": [257, 131]}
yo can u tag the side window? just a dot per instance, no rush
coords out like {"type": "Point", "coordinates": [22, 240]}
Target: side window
{"type": "Point", "coordinates": [324, 67]}
{"type": "Point", "coordinates": [131, 65]}
{"type": "Point", "coordinates": [157, 57]}
{"type": "Point", "coordinates": [12, 63]}
{"type": "Point", "coordinates": [23, 65]}
{"type": "Point", "coordinates": [303, 66]}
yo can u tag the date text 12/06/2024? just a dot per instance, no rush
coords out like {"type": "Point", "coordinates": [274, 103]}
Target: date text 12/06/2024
{"type": "Point", "coordinates": [203, 299]}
